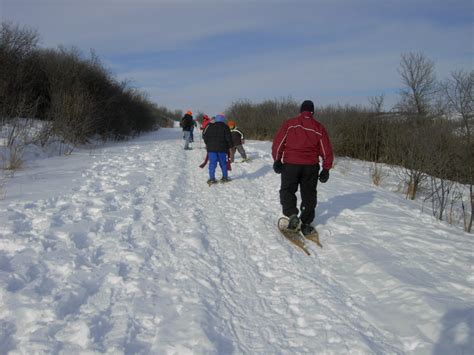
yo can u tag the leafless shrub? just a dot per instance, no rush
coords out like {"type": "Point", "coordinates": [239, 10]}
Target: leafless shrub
{"type": "Point", "coordinates": [45, 134]}
{"type": "Point", "coordinates": [12, 159]}
{"type": "Point", "coordinates": [15, 160]}
{"type": "Point", "coordinates": [458, 93]}
{"type": "Point", "coordinates": [262, 120]}
{"type": "Point", "coordinates": [405, 148]}
{"type": "Point", "coordinates": [440, 196]}
{"type": "Point", "coordinates": [453, 214]}
{"type": "Point", "coordinates": [18, 133]}
{"type": "Point", "coordinates": [3, 181]}
{"type": "Point", "coordinates": [17, 71]}
{"type": "Point", "coordinates": [377, 173]}
{"type": "Point", "coordinates": [355, 131]}
{"type": "Point", "coordinates": [468, 216]}
{"type": "Point", "coordinates": [18, 41]}
{"type": "Point", "coordinates": [73, 116]}
{"type": "Point", "coordinates": [165, 117]}
{"type": "Point", "coordinates": [377, 103]}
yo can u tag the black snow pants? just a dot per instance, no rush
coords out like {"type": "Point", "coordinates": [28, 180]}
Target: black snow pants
{"type": "Point", "coordinates": [306, 178]}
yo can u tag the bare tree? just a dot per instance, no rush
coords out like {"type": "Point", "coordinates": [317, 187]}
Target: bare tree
{"type": "Point", "coordinates": [459, 94]}
{"type": "Point", "coordinates": [458, 91]}
{"type": "Point", "coordinates": [419, 79]}
{"type": "Point", "coordinates": [417, 74]}
{"type": "Point", "coordinates": [17, 41]}
{"type": "Point", "coordinates": [376, 103]}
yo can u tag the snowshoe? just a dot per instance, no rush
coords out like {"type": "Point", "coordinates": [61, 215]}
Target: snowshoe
{"type": "Point", "coordinates": [310, 233]}
{"type": "Point", "coordinates": [292, 235]}
{"type": "Point", "coordinates": [211, 182]}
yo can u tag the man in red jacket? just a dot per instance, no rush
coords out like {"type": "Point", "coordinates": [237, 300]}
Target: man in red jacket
{"type": "Point", "coordinates": [297, 147]}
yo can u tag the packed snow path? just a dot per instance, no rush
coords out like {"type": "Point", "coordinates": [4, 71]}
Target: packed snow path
{"type": "Point", "coordinates": [125, 249]}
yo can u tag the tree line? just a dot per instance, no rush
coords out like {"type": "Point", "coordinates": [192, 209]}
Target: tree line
{"type": "Point", "coordinates": [76, 96]}
{"type": "Point", "coordinates": [428, 133]}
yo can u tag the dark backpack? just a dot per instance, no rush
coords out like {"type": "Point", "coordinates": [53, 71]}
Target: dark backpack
{"type": "Point", "coordinates": [187, 122]}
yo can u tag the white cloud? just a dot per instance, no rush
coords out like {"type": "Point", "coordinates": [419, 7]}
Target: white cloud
{"type": "Point", "coordinates": [339, 51]}
{"type": "Point", "coordinates": [129, 26]}
{"type": "Point", "coordinates": [346, 71]}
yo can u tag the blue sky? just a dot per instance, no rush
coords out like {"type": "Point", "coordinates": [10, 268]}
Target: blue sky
{"type": "Point", "coordinates": [203, 55]}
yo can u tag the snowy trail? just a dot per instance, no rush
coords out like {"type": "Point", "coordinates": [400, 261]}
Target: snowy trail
{"type": "Point", "coordinates": [141, 256]}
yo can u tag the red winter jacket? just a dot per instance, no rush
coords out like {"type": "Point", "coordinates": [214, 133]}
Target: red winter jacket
{"type": "Point", "coordinates": [205, 121]}
{"type": "Point", "coordinates": [303, 140]}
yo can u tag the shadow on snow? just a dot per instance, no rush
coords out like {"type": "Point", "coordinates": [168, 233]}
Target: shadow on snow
{"type": "Point", "coordinates": [334, 206]}
{"type": "Point", "coordinates": [457, 334]}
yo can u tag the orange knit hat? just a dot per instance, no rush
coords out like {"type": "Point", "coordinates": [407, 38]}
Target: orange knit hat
{"type": "Point", "coordinates": [231, 123]}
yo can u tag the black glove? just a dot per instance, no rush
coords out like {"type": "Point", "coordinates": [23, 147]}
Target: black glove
{"type": "Point", "coordinates": [324, 175]}
{"type": "Point", "coordinates": [277, 166]}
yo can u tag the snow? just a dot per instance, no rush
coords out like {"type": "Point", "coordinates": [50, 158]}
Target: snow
{"type": "Point", "coordinates": [125, 249]}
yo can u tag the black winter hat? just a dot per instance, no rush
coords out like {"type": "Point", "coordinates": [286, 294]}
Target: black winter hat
{"type": "Point", "coordinates": [307, 105]}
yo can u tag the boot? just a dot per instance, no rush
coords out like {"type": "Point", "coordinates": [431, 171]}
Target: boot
{"type": "Point", "coordinates": [293, 222]}
{"type": "Point", "coordinates": [307, 229]}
